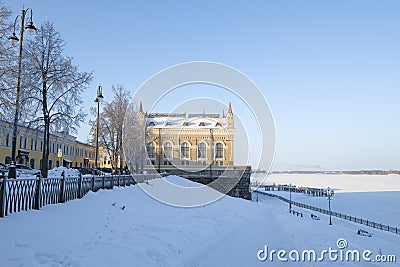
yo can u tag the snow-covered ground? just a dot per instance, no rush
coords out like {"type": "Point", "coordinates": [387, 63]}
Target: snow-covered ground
{"type": "Point", "coordinates": [126, 227]}
{"type": "Point", "coordinates": [53, 173]}
{"type": "Point", "coordinates": [372, 197]}
{"type": "Point", "coordinates": [56, 172]}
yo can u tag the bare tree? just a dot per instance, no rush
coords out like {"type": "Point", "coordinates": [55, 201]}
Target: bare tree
{"type": "Point", "coordinates": [8, 74]}
{"type": "Point", "coordinates": [56, 85]}
{"type": "Point", "coordinates": [107, 136]}
{"type": "Point", "coordinates": [111, 126]}
{"type": "Point", "coordinates": [134, 138]}
{"type": "Point", "coordinates": [7, 62]}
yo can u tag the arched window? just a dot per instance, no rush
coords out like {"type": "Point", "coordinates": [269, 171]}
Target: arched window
{"type": "Point", "coordinates": [151, 150]}
{"type": "Point", "coordinates": [201, 151]}
{"type": "Point", "coordinates": [151, 123]}
{"type": "Point", "coordinates": [219, 151]}
{"type": "Point", "coordinates": [168, 150]}
{"type": "Point", "coordinates": [185, 150]}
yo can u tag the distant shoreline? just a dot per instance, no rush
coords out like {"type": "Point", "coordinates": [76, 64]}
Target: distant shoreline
{"type": "Point", "coordinates": [364, 172]}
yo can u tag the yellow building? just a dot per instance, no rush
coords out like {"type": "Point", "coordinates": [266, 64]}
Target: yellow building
{"type": "Point", "coordinates": [30, 148]}
{"type": "Point", "coordinates": [104, 158]}
{"type": "Point", "coordinates": [191, 141]}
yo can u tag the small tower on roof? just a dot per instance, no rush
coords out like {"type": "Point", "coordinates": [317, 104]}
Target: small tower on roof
{"type": "Point", "coordinates": [141, 107]}
{"type": "Point", "coordinates": [140, 115]}
{"type": "Point", "coordinates": [229, 117]}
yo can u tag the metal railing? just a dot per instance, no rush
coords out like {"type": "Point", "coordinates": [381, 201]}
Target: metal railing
{"type": "Point", "coordinates": [379, 226]}
{"type": "Point", "coordinates": [25, 194]}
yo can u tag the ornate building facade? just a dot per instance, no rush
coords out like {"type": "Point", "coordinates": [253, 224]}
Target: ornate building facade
{"type": "Point", "coordinates": [190, 141]}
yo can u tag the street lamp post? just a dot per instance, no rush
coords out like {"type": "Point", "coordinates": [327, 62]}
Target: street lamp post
{"type": "Point", "coordinates": [159, 150]}
{"type": "Point", "coordinates": [14, 39]}
{"type": "Point", "coordinates": [290, 197]}
{"type": "Point", "coordinates": [329, 192]}
{"type": "Point", "coordinates": [97, 100]}
{"type": "Point", "coordinates": [212, 152]}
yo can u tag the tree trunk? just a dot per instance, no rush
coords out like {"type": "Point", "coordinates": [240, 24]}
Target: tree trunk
{"type": "Point", "coordinates": [46, 134]}
{"type": "Point", "coordinates": [45, 158]}
{"type": "Point", "coordinates": [121, 152]}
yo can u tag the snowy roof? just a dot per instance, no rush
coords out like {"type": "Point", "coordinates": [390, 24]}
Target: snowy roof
{"type": "Point", "coordinates": [178, 122]}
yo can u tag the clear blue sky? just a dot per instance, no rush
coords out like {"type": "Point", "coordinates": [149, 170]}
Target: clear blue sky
{"type": "Point", "coordinates": [330, 70]}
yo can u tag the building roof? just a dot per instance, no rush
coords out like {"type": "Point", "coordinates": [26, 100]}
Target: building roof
{"type": "Point", "coordinates": [181, 121]}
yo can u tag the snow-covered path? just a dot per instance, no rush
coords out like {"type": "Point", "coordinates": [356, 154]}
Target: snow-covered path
{"type": "Point", "coordinates": [125, 227]}
{"type": "Point", "coordinates": [239, 248]}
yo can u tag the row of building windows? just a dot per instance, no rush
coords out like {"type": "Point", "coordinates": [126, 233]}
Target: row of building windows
{"type": "Point", "coordinates": [184, 149]}
{"type": "Point", "coordinates": [54, 147]}
{"type": "Point", "coordinates": [152, 124]}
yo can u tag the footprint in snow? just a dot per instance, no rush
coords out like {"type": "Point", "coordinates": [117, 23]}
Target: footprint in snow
{"type": "Point", "coordinates": [20, 245]}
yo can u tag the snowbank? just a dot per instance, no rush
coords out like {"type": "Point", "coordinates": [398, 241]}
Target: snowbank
{"type": "Point", "coordinates": [56, 172]}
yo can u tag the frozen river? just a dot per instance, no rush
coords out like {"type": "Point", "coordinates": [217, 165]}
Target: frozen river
{"type": "Point", "coordinates": [373, 197]}
{"type": "Point", "coordinates": [342, 183]}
